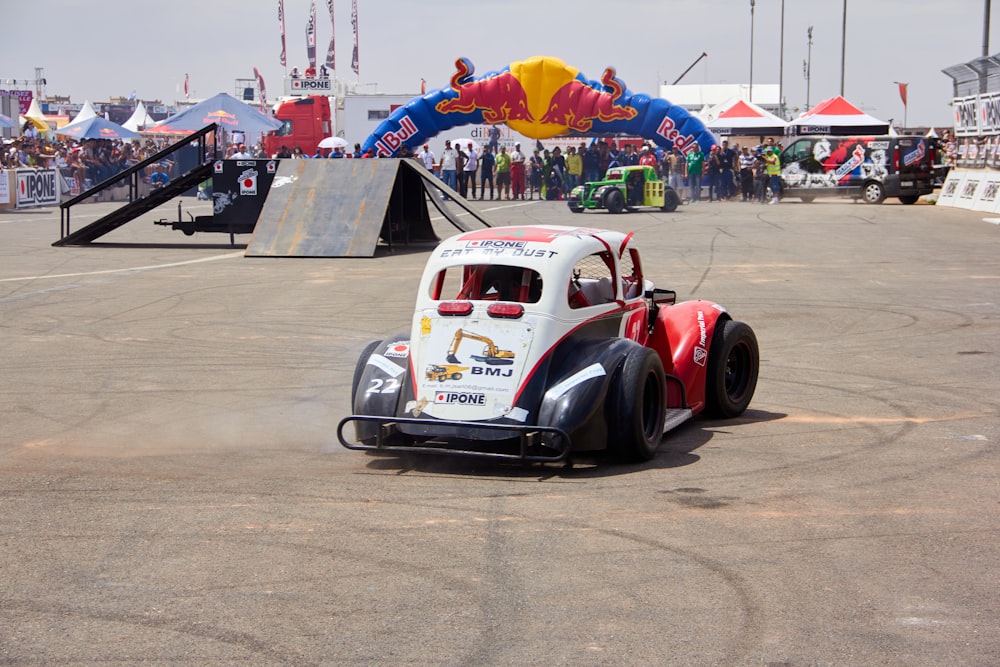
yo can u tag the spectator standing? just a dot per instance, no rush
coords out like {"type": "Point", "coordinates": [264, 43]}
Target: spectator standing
{"type": "Point", "coordinates": [648, 158]}
{"type": "Point", "coordinates": [746, 174]}
{"type": "Point", "coordinates": [471, 166]}
{"type": "Point", "coordinates": [574, 168]}
{"type": "Point", "coordinates": [535, 168]}
{"type": "Point", "coordinates": [427, 157]}
{"type": "Point", "coordinates": [773, 161]}
{"type": "Point", "coordinates": [678, 170]}
{"type": "Point", "coordinates": [712, 173]}
{"type": "Point", "coordinates": [727, 156]}
{"type": "Point", "coordinates": [592, 164]}
{"type": "Point", "coordinates": [448, 159]}
{"type": "Point", "coordinates": [695, 171]}
{"type": "Point", "coordinates": [487, 164]}
{"type": "Point", "coordinates": [517, 171]}
{"type": "Point", "coordinates": [503, 173]}
{"type": "Point", "coordinates": [460, 161]}
{"type": "Point", "coordinates": [494, 139]}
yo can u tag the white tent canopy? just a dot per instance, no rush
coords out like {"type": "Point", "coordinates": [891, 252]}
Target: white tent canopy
{"type": "Point", "coordinates": [737, 116]}
{"type": "Point", "coordinates": [838, 116]}
{"type": "Point", "coordinates": [34, 110]}
{"type": "Point", "coordinates": [139, 119]}
{"type": "Point", "coordinates": [87, 111]}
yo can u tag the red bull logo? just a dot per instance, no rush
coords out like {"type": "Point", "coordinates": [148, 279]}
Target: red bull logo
{"type": "Point", "coordinates": [577, 105]}
{"type": "Point", "coordinates": [501, 97]}
{"type": "Point", "coordinates": [220, 116]}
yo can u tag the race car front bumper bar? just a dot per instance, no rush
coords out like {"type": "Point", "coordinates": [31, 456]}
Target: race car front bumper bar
{"type": "Point", "coordinates": [535, 444]}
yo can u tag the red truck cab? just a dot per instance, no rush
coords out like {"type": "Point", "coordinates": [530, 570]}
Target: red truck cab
{"type": "Point", "coordinates": [304, 123]}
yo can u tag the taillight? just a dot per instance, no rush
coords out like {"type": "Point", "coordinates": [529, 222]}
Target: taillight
{"type": "Point", "coordinates": [895, 159]}
{"type": "Point", "coordinates": [455, 308]}
{"type": "Point", "coordinates": [510, 311]}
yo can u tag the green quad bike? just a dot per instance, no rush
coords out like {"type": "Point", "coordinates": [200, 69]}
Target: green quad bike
{"type": "Point", "coordinates": [624, 189]}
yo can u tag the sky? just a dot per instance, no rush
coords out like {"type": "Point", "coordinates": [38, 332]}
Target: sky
{"type": "Point", "coordinates": [94, 51]}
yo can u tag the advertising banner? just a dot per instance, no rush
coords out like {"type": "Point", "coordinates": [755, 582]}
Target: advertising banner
{"type": "Point", "coordinates": [4, 187]}
{"type": "Point", "coordinates": [966, 116]}
{"type": "Point", "coordinates": [37, 187]}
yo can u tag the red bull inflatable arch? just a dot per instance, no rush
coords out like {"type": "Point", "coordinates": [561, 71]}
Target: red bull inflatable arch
{"type": "Point", "coordinates": [541, 97]}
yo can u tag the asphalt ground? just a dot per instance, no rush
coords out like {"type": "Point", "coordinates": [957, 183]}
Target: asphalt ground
{"type": "Point", "coordinates": [172, 491]}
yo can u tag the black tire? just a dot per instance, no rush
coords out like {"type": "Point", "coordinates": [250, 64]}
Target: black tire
{"type": "Point", "coordinates": [807, 199]}
{"type": "Point", "coordinates": [614, 201]}
{"type": "Point", "coordinates": [359, 369]}
{"type": "Point", "coordinates": [670, 201]}
{"type": "Point", "coordinates": [908, 199]}
{"type": "Point", "coordinates": [733, 364]}
{"type": "Point", "coordinates": [638, 406]}
{"type": "Point", "coordinates": [873, 192]}
{"type": "Point", "coordinates": [576, 209]}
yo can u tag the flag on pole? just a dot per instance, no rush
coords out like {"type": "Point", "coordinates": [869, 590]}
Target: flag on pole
{"type": "Point", "coordinates": [354, 27]}
{"type": "Point", "coordinates": [131, 96]}
{"type": "Point", "coordinates": [331, 59]}
{"type": "Point", "coordinates": [902, 92]}
{"type": "Point", "coordinates": [263, 90]}
{"type": "Point", "coordinates": [311, 35]}
{"type": "Point", "coordinates": [187, 91]}
{"type": "Point", "coordinates": [281, 28]}
{"type": "Point", "coordinates": [423, 86]}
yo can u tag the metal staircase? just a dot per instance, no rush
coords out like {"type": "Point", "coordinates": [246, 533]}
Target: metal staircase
{"type": "Point", "coordinates": [138, 205]}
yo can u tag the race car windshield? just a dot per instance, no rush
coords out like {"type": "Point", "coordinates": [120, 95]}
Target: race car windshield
{"type": "Point", "coordinates": [488, 282]}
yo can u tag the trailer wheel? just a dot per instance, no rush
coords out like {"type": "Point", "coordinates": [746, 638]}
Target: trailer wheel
{"type": "Point", "coordinates": [733, 363]}
{"type": "Point", "coordinates": [638, 406]}
{"type": "Point", "coordinates": [908, 199]}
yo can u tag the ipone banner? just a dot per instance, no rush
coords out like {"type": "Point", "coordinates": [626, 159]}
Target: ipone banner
{"type": "Point", "coordinates": [37, 187]}
{"type": "Point", "coordinates": [541, 98]}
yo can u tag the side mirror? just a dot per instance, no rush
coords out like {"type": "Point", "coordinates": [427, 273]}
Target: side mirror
{"type": "Point", "coordinates": [662, 297]}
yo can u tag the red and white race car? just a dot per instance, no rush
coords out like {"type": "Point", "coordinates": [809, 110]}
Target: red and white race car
{"type": "Point", "coordinates": [535, 342]}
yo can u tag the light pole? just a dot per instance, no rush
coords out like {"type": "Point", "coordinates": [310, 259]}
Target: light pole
{"type": "Point", "coordinates": [843, 49]}
{"type": "Point", "coordinates": [752, 3]}
{"type": "Point", "coordinates": [809, 59]}
{"type": "Point", "coordinates": [781, 66]}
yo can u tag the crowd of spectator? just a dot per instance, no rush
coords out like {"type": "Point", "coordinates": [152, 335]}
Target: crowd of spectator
{"type": "Point", "coordinates": [86, 160]}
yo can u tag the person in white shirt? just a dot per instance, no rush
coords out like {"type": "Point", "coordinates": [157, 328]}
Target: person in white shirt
{"type": "Point", "coordinates": [517, 171]}
{"type": "Point", "coordinates": [241, 153]}
{"type": "Point", "coordinates": [448, 158]}
{"type": "Point", "coordinates": [427, 157]}
{"type": "Point", "coordinates": [469, 173]}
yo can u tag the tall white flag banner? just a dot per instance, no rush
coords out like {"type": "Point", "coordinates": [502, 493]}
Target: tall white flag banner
{"type": "Point", "coordinates": [354, 26]}
{"type": "Point", "coordinates": [311, 35]}
{"type": "Point", "coordinates": [331, 59]}
{"type": "Point", "coordinates": [281, 28]}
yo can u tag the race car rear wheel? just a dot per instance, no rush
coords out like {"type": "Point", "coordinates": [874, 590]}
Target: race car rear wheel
{"type": "Point", "coordinates": [733, 364]}
{"type": "Point", "coordinates": [576, 209]}
{"type": "Point", "coordinates": [670, 201]}
{"type": "Point", "coordinates": [638, 406]}
{"type": "Point", "coordinates": [615, 201]}
{"type": "Point", "coordinates": [359, 368]}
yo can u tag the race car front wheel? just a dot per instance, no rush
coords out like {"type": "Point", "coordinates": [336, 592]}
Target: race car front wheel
{"type": "Point", "coordinates": [733, 363]}
{"type": "Point", "coordinates": [615, 201]}
{"type": "Point", "coordinates": [638, 406]}
{"type": "Point", "coordinates": [670, 201]}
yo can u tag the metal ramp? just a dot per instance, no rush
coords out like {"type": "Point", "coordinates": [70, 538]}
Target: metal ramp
{"type": "Point", "coordinates": [341, 208]}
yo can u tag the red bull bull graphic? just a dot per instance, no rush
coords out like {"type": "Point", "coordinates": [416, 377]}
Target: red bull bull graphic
{"type": "Point", "coordinates": [541, 97]}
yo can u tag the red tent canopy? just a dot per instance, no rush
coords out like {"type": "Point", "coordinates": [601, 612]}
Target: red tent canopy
{"type": "Point", "coordinates": [838, 116]}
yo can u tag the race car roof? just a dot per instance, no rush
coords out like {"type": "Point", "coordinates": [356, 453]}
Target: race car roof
{"type": "Point", "coordinates": [545, 248]}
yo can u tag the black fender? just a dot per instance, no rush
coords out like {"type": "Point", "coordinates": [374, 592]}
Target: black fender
{"type": "Point", "coordinates": [382, 382]}
{"type": "Point", "coordinates": [575, 399]}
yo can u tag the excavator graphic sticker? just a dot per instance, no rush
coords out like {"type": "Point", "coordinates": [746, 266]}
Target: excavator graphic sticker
{"type": "Point", "coordinates": [491, 354]}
